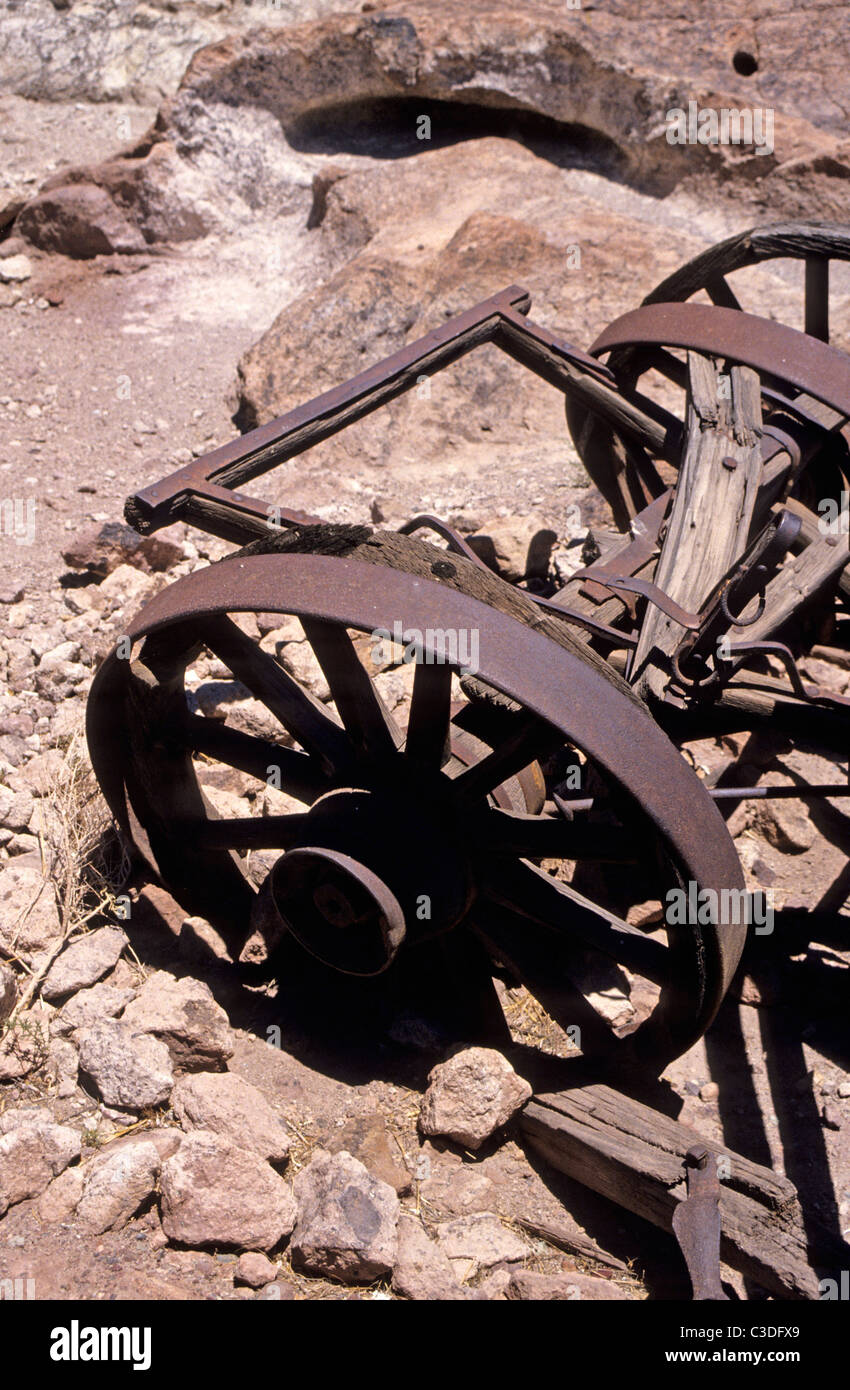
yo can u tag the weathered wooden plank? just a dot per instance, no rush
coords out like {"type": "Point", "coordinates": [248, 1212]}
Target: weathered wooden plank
{"type": "Point", "coordinates": [709, 522]}
{"type": "Point", "coordinates": [634, 1156]}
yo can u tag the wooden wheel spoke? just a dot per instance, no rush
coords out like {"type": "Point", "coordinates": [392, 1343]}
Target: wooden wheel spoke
{"type": "Point", "coordinates": [258, 757]}
{"type": "Point", "coordinates": [361, 709]}
{"type": "Point", "coordinates": [299, 712]}
{"type": "Point", "coordinates": [816, 320]}
{"type": "Point", "coordinates": [430, 714]}
{"type": "Point", "coordinates": [536, 896]}
{"type": "Point", "coordinates": [527, 949]}
{"type": "Point", "coordinates": [244, 832]}
{"type": "Point", "coordinates": [720, 292]}
{"type": "Point", "coordinates": [528, 742]}
{"type": "Point", "coordinates": [552, 837]}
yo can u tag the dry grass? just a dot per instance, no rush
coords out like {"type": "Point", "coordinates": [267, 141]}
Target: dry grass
{"type": "Point", "coordinates": [82, 857]}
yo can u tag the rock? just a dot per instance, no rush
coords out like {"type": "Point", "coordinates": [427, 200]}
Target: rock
{"type": "Point", "coordinates": [116, 1184]}
{"type": "Point", "coordinates": [347, 1220]}
{"type": "Point", "coordinates": [59, 1199]}
{"type": "Point", "coordinates": [200, 943]}
{"type": "Point", "coordinates": [455, 1190]}
{"type": "Point", "coordinates": [33, 1151]}
{"type": "Point", "coordinates": [222, 1103]}
{"type": "Point", "coordinates": [63, 1066]}
{"type": "Point", "coordinates": [470, 1096]}
{"type": "Point", "coordinates": [126, 587]}
{"type": "Point", "coordinates": [29, 917]}
{"type": "Point", "coordinates": [479, 1241]}
{"type": "Point", "coordinates": [710, 1091]}
{"type": "Point", "coordinates": [844, 1089]}
{"type": "Point", "coordinates": [16, 808]}
{"type": "Point", "coordinates": [831, 1116]}
{"type": "Point", "coordinates": [130, 1069]}
{"type": "Point", "coordinates": [494, 1286]}
{"type": "Point", "coordinates": [422, 1270]}
{"type": "Point", "coordinates": [254, 1269]}
{"type": "Point", "coordinates": [785, 824]}
{"type": "Point", "coordinates": [527, 1284]}
{"type": "Point", "coordinates": [367, 1138]}
{"type": "Point", "coordinates": [8, 990]}
{"type": "Point", "coordinates": [90, 1006]}
{"type": "Point", "coordinates": [185, 1016]}
{"type": "Point", "coordinates": [100, 550]}
{"type": "Point", "coordinates": [84, 962]}
{"type": "Point", "coordinates": [214, 1193]}
{"type": "Point", "coordinates": [14, 269]}
{"type": "Point", "coordinates": [79, 220]}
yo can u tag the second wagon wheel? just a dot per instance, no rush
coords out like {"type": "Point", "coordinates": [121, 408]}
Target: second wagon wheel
{"type": "Point", "coordinates": [623, 471]}
{"type": "Point", "coordinates": [393, 818]}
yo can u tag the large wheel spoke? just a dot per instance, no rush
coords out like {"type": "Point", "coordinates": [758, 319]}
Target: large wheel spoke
{"type": "Point", "coordinates": [527, 743]}
{"type": "Point", "coordinates": [364, 714]}
{"type": "Point", "coordinates": [535, 958]}
{"type": "Point", "coordinates": [430, 714]}
{"type": "Point", "coordinates": [720, 292]}
{"type": "Point", "coordinates": [299, 712]}
{"type": "Point", "coordinates": [244, 832]}
{"type": "Point", "coordinates": [539, 898]}
{"type": "Point", "coordinates": [816, 321]}
{"type": "Point", "coordinates": [551, 837]}
{"type": "Point", "coordinates": [298, 774]}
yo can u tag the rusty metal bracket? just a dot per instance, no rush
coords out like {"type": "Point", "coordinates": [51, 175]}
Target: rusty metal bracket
{"type": "Point", "coordinates": [696, 1225]}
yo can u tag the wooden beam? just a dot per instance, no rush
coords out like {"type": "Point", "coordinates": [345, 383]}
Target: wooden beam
{"type": "Point", "coordinates": [634, 1156]}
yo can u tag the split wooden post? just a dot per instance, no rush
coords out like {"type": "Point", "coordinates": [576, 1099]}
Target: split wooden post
{"type": "Point", "coordinates": [709, 523]}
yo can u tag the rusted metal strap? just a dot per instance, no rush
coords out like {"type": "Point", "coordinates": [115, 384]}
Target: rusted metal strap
{"type": "Point", "coordinates": [773, 348]}
{"type": "Point", "coordinates": [696, 1225]}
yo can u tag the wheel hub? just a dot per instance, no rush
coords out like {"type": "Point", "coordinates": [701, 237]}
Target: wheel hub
{"type": "Point", "coordinates": [370, 874]}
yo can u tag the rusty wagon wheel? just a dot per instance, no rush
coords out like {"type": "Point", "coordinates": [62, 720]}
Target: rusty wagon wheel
{"type": "Point", "coordinates": [393, 817]}
{"type": "Point", "coordinates": [625, 473]}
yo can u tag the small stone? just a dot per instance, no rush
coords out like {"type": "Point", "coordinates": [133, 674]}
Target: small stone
{"type": "Point", "coordinates": [29, 917]}
{"type": "Point", "coordinates": [84, 962]}
{"type": "Point", "coordinates": [254, 1269]}
{"type": "Point", "coordinates": [527, 1284]}
{"type": "Point", "coordinates": [368, 1139]}
{"type": "Point", "coordinates": [13, 269]}
{"type": "Point", "coordinates": [422, 1270]}
{"type": "Point", "coordinates": [90, 1006]}
{"type": "Point", "coordinates": [16, 808]}
{"type": "Point", "coordinates": [347, 1220]}
{"type": "Point", "coordinates": [831, 1116]}
{"type": "Point", "coordinates": [8, 990]}
{"type": "Point", "coordinates": [844, 1089]}
{"type": "Point", "coordinates": [470, 1096]}
{"type": "Point", "coordinates": [786, 824]}
{"type": "Point", "coordinates": [63, 1066]}
{"type": "Point", "coordinates": [130, 1069]}
{"type": "Point", "coordinates": [184, 1015]}
{"type": "Point", "coordinates": [222, 1103]}
{"type": "Point", "coordinates": [116, 1184]}
{"type": "Point", "coordinates": [214, 1193]}
{"type": "Point", "coordinates": [479, 1241]}
{"type": "Point", "coordinates": [59, 1199]}
{"type": "Point", "coordinates": [33, 1151]}
{"type": "Point", "coordinates": [710, 1091]}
